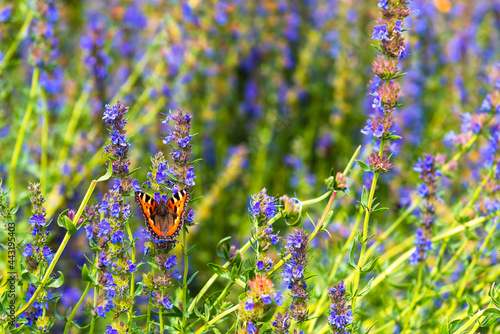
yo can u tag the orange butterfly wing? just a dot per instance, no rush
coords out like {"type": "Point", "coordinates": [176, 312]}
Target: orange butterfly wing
{"type": "Point", "coordinates": [176, 206]}
{"type": "Point", "coordinates": [148, 207]}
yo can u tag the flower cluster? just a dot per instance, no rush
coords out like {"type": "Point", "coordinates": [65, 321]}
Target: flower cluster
{"type": "Point", "coordinates": [45, 51]}
{"type": "Point", "coordinates": [379, 163]}
{"type": "Point", "coordinates": [95, 57]}
{"type": "Point", "coordinates": [472, 124]}
{"type": "Point", "coordinates": [294, 273]}
{"type": "Point", "coordinates": [340, 314]}
{"type": "Point", "coordinates": [427, 189]}
{"type": "Point", "coordinates": [385, 91]}
{"type": "Point", "coordinates": [258, 302]}
{"type": "Point", "coordinates": [117, 152]}
{"type": "Point", "coordinates": [107, 223]}
{"type": "Point", "coordinates": [489, 152]}
{"type": "Point", "coordinates": [113, 262]}
{"type": "Point", "coordinates": [263, 208]}
{"type": "Point", "coordinates": [36, 251]}
{"type": "Point", "coordinates": [164, 180]}
{"type": "Point", "coordinates": [44, 48]}
{"type": "Point", "coordinates": [282, 323]}
{"type": "Point", "coordinates": [156, 284]}
{"type": "Point", "coordinates": [36, 254]}
{"type": "Point", "coordinates": [180, 140]}
{"type": "Point", "coordinates": [264, 239]}
{"type": "Point", "coordinates": [182, 174]}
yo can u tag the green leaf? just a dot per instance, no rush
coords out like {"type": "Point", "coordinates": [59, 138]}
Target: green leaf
{"type": "Point", "coordinates": [453, 324]}
{"type": "Point", "coordinates": [29, 277]}
{"type": "Point", "coordinates": [153, 264]}
{"type": "Point", "coordinates": [107, 175]}
{"type": "Point", "coordinates": [351, 251]}
{"type": "Point", "coordinates": [191, 250]}
{"type": "Point", "coordinates": [488, 321]}
{"type": "Point", "coordinates": [138, 290]}
{"type": "Point", "coordinates": [85, 274]}
{"type": "Point", "coordinates": [380, 210]}
{"type": "Point", "coordinates": [492, 310]}
{"type": "Point", "coordinates": [470, 311]}
{"type": "Point", "coordinates": [267, 317]}
{"type": "Point", "coordinates": [352, 265]}
{"type": "Point", "coordinates": [191, 278]}
{"type": "Point", "coordinates": [223, 250]}
{"type": "Point", "coordinates": [60, 220]}
{"type": "Point", "coordinates": [57, 282]}
{"type": "Point", "coordinates": [370, 328]}
{"type": "Point", "coordinates": [444, 328]}
{"type": "Point", "coordinates": [195, 161]}
{"type": "Point", "coordinates": [133, 171]}
{"type": "Point", "coordinates": [370, 265]}
{"type": "Point", "coordinates": [173, 177]}
{"type": "Point", "coordinates": [60, 317]}
{"type": "Point", "coordinates": [195, 199]}
{"type": "Point", "coordinates": [364, 166]}
{"type": "Point", "coordinates": [70, 226]}
{"type": "Point", "coordinates": [367, 289]}
{"type": "Point", "coordinates": [393, 137]}
{"type": "Point", "coordinates": [351, 256]}
{"type": "Point", "coordinates": [364, 197]}
{"type": "Point", "coordinates": [219, 270]}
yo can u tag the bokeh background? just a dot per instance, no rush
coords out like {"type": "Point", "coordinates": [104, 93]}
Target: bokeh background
{"type": "Point", "coordinates": [278, 90]}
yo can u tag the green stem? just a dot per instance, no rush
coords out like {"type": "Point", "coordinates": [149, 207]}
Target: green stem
{"type": "Point", "coordinates": [69, 135]}
{"type": "Point", "coordinates": [364, 236]}
{"type": "Point", "coordinates": [44, 142]}
{"type": "Point", "coordinates": [149, 306]}
{"type": "Point", "coordinates": [222, 295]}
{"type": "Point", "coordinates": [471, 265]}
{"type": "Point", "coordinates": [63, 244]}
{"type": "Point", "coordinates": [321, 306]}
{"type": "Point", "coordinates": [77, 306]}
{"type": "Point", "coordinates": [212, 279]}
{"type": "Point", "coordinates": [20, 136]}
{"type": "Point", "coordinates": [469, 322]}
{"type": "Point", "coordinates": [94, 317]}
{"type": "Point", "coordinates": [476, 326]}
{"type": "Point", "coordinates": [160, 315]}
{"type": "Point", "coordinates": [19, 37]}
{"type": "Point", "coordinates": [404, 257]}
{"type": "Point", "coordinates": [470, 224]}
{"type": "Point", "coordinates": [324, 295]}
{"type": "Point", "coordinates": [132, 276]}
{"type": "Point", "coordinates": [184, 280]}
{"type": "Point", "coordinates": [317, 200]}
{"type": "Point", "coordinates": [217, 318]}
{"type": "Point", "coordinates": [46, 276]}
{"type": "Point", "coordinates": [415, 294]}
{"type": "Point", "coordinates": [311, 237]}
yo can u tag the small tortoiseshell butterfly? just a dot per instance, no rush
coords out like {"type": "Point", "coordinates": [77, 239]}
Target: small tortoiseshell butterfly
{"type": "Point", "coordinates": [162, 219]}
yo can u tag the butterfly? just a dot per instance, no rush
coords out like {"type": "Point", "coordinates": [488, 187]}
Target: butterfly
{"type": "Point", "coordinates": [162, 219]}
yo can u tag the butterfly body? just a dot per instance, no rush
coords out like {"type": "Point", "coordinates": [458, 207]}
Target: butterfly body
{"type": "Point", "coordinates": [163, 219]}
